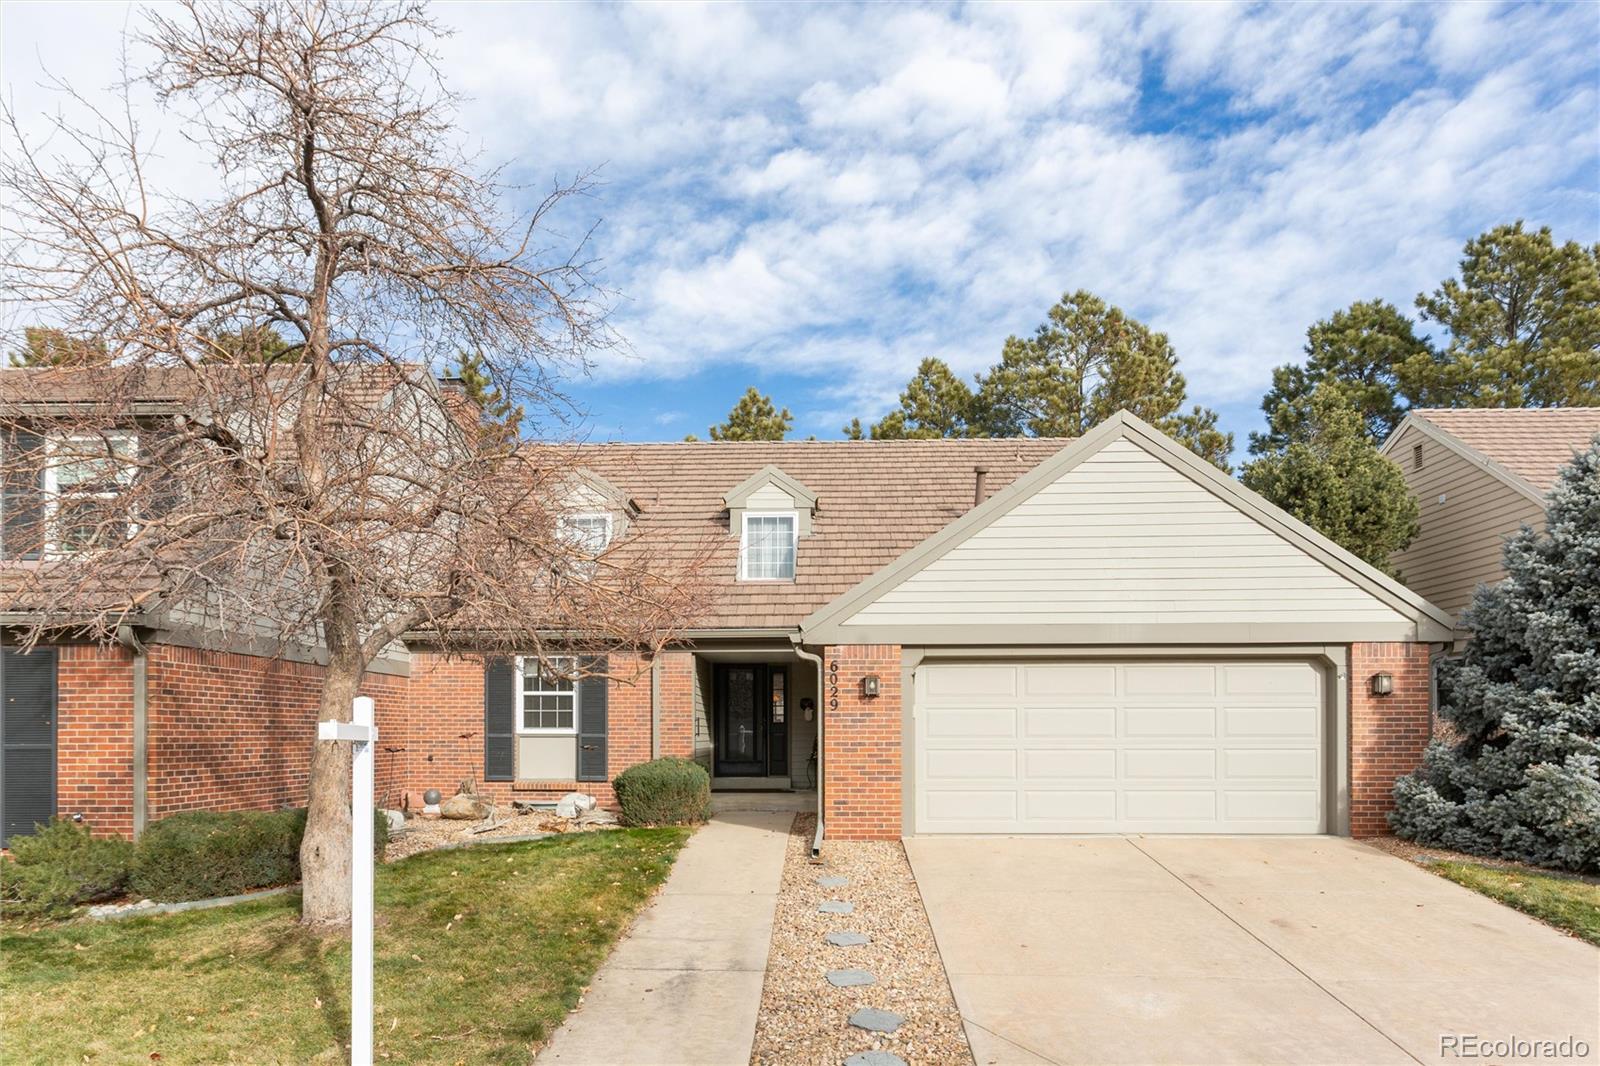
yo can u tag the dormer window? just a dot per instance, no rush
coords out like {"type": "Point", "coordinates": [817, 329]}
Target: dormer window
{"type": "Point", "coordinates": [767, 547]}
{"type": "Point", "coordinates": [82, 478]}
{"type": "Point", "coordinates": [589, 533]}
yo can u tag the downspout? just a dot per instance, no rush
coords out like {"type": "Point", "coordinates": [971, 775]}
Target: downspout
{"type": "Point", "coordinates": [822, 777]}
{"type": "Point", "coordinates": [141, 727]}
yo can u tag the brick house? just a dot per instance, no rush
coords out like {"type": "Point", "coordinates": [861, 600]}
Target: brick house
{"type": "Point", "coordinates": [966, 636]}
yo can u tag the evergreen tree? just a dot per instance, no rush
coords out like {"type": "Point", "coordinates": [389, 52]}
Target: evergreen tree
{"type": "Point", "coordinates": [1518, 775]}
{"type": "Point", "coordinates": [1523, 321]}
{"type": "Point", "coordinates": [753, 418]}
{"type": "Point", "coordinates": [1332, 477]}
{"type": "Point", "coordinates": [853, 431]}
{"type": "Point", "coordinates": [254, 344]}
{"type": "Point", "coordinates": [1085, 363]}
{"type": "Point", "coordinates": [494, 408]}
{"type": "Point", "coordinates": [1366, 349]}
{"type": "Point", "coordinates": [935, 403]}
{"type": "Point", "coordinates": [46, 346]}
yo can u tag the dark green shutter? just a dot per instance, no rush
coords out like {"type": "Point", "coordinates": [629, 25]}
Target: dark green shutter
{"type": "Point", "coordinates": [21, 535]}
{"type": "Point", "coordinates": [499, 721]}
{"type": "Point", "coordinates": [592, 721]}
{"type": "Point", "coordinates": [27, 740]}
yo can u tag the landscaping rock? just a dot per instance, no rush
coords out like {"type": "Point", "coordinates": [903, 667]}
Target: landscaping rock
{"type": "Point", "coordinates": [876, 1021]}
{"type": "Point", "coordinates": [835, 906]}
{"type": "Point", "coordinates": [875, 1058]}
{"type": "Point", "coordinates": [848, 940]}
{"type": "Point", "coordinates": [850, 978]}
{"type": "Point", "coordinates": [397, 820]}
{"type": "Point", "coordinates": [573, 804]}
{"type": "Point", "coordinates": [466, 808]}
{"type": "Point", "coordinates": [832, 881]}
{"type": "Point", "coordinates": [598, 816]}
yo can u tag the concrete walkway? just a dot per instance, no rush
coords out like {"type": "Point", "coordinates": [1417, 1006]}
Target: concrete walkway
{"type": "Point", "coordinates": [1239, 950]}
{"type": "Point", "coordinates": [684, 985]}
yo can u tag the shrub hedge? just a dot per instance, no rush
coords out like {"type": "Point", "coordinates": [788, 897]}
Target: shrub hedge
{"type": "Point", "coordinates": [664, 792]}
{"type": "Point", "coordinates": [61, 866]}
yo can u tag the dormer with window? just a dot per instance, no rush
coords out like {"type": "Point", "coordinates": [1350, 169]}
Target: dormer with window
{"type": "Point", "coordinates": [769, 512]}
{"type": "Point", "coordinates": [62, 492]}
{"type": "Point", "coordinates": [594, 513]}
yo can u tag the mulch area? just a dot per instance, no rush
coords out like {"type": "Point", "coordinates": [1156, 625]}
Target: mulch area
{"type": "Point", "coordinates": [1422, 855]}
{"type": "Point", "coordinates": [804, 1019]}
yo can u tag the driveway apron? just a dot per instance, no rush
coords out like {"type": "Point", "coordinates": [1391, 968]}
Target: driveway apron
{"type": "Point", "coordinates": [684, 985]}
{"type": "Point", "coordinates": [1237, 950]}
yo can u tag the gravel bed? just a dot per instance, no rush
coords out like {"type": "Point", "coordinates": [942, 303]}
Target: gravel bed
{"type": "Point", "coordinates": [804, 1019]}
{"type": "Point", "coordinates": [427, 834]}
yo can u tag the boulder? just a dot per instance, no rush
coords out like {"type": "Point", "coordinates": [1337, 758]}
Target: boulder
{"type": "Point", "coordinates": [396, 819]}
{"type": "Point", "coordinates": [598, 816]}
{"type": "Point", "coordinates": [466, 808]}
{"type": "Point", "coordinates": [573, 804]}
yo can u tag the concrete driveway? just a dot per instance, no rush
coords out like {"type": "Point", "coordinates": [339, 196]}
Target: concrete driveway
{"type": "Point", "coordinates": [1239, 950]}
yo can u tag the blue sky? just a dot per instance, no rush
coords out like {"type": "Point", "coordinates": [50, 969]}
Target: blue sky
{"type": "Point", "coordinates": [811, 199]}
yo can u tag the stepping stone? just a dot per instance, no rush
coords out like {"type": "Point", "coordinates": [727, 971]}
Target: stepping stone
{"type": "Point", "coordinates": [835, 906]}
{"type": "Point", "coordinates": [848, 940]}
{"type": "Point", "coordinates": [876, 1021]}
{"type": "Point", "coordinates": [850, 978]}
{"type": "Point", "coordinates": [833, 881]}
{"type": "Point", "coordinates": [875, 1058]}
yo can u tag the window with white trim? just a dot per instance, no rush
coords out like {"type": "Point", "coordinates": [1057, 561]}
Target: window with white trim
{"type": "Point", "coordinates": [547, 695]}
{"type": "Point", "coordinates": [82, 473]}
{"type": "Point", "coordinates": [589, 533]}
{"type": "Point", "coordinates": [767, 546]}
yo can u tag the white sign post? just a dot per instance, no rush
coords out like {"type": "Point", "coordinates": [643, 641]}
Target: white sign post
{"type": "Point", "coordinates": [362, 733]}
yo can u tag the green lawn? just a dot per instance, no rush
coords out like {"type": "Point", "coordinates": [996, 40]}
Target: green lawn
{"type": "Point", "coordinates": [480, 953]}
{"type": "Point", "coordinates": [1568, 903]}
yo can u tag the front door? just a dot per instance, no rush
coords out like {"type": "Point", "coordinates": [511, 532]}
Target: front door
{"type": "Point", "coordinates": [751, 708]}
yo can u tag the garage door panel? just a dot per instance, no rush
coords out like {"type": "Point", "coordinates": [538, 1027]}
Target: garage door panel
{"type": "Point", "coordinates": [1070, 721]}
{"type": "Point", "coordinates": [1165, 764]}
{"type": "Point", "coordinates": [1070, 764]}
{"type": "Point", "coordinates": [1169, 722]}
{"type": "Point", "coordinates": [1103, 747]}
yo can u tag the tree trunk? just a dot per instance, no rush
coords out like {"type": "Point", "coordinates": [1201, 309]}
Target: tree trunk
{"type": "Point", "coordinates": [325, 849]}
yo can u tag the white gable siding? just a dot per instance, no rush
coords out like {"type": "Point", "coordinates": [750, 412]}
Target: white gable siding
{"type": "Point", "coordinates": [1123, 538]}
{"type": "Point", "coordinates": [769, 497]}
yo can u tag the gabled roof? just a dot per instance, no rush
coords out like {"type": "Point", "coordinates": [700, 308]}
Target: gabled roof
{"type": "Point", "coordinates": [1432, 622]}
{"type": "Point", "coordinates": [770, 475]}
{"type": "Point", "coordinates": [1526, 447]}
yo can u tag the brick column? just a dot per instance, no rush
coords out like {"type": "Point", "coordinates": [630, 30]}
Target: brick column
{"type": "Point", "coordinates": [1387, 733]}
{"type": "Point", "coordinates": [677, 704]}
{"type": "Point", "coordinates": [861, 742]}
{"type": "Point", "coordinates": [94, 736]}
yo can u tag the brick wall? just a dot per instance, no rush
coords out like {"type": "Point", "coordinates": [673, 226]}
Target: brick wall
{"type": "Point", "coordinates": [861, 743]}
{"type": "Point", "coordinates": [1387, 733]}
{"type": "Point", "coordinates": [677, 693]}
{"type": "Point", "coordinates": [234, 732]}
{"type": "Point", "coordinates": [94, 736]}
{"type": "Point", "coordinates": [441, 729]}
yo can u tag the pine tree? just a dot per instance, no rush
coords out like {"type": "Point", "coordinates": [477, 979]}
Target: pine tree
{"type": "Point", "coordinates": [754, 418]}
{"type": "Point", "coordinates": [935, 403]}
{"type": "Point", "coordinates": [1518, 774]}
{"type": "Point", "coordinates": [1085, 363]}
{"type": "Point", "coordinates": [493, 406]}
{"type": "Point", "coordinates": [253, 344]}
{"type": "Point", "coordinates": [45, 346]}
{"type": "Point", "coordinates": [1333, 478]}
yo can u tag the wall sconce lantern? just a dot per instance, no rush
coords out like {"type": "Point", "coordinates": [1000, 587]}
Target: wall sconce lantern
{"type": "Point", "coordinates": [869, 686]}
{"type": "Point", "coordinates": [1382, 684]}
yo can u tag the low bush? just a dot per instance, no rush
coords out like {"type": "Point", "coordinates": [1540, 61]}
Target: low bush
{"type": "Point", "coordinates": [61, 866]}
{"type": "Point", "coordinates": [201, 854]}
{"type": "Point", "coordinates": [664, 792]}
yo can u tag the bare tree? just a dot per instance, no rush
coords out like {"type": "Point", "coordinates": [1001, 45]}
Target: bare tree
{"type": "Point", "coordinates": [327, 492]}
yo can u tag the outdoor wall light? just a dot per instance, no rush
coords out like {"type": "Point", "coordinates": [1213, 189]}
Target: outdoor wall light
{"type": "Point", "coordinates": [1382, 684]}
{"type": "Point", "coordinates": [869, 686]}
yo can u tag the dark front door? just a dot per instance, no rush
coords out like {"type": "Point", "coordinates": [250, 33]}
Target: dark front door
{"type": "Point", "coordinates": [751, 711]}
{"type": "Point", "coordinates": [27, 740]}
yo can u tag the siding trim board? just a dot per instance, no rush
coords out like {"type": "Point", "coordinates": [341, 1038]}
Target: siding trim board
{"type": "Point", "coordinates": [1387, 606]}
{"type": "Point", "coordinates": [1461, 448]}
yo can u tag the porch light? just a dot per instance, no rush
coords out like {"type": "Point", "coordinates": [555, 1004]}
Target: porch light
{"type": "Point", "coordinates": [1382, 684]}
{"type": "Point", "coordinates": [869, 686]}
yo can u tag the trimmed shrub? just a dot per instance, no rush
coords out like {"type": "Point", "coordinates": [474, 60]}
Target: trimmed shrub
{"type": "Point", "coordinates": [61, 866]}
{"type": "Point", "coordinates": [201, 854]}
{"type": "Point", "coordinates": [664, 792]}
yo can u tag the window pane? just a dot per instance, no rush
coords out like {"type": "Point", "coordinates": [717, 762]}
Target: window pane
{"type": "Point", "coordinates": [769, 547]}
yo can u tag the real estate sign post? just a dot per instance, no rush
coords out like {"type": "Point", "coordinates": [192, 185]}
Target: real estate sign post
{"type": "Point", "coordinates": [362, 733]}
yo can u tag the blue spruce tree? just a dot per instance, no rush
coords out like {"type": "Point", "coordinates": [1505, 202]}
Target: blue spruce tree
{"type": "Point", "coordinates": [1518, 775]}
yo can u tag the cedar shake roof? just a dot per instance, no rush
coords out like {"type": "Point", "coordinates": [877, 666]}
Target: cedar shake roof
{"type": "Point", "coordinates": [1532, 442]}
{"type": "Point", "coordinates": [876, 499]}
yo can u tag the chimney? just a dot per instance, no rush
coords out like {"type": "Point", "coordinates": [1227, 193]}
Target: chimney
{"type": "Point", "coordinates": [979, 475]}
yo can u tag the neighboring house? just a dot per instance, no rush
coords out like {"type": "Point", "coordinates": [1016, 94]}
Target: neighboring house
{"type": "Point", "coordinates": [1479, 474]}
{"type": "Point", "coordinates": [1008, 636]}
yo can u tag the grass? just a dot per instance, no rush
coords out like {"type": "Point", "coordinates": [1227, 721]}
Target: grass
{"type": "Point", "coordinates": [1568, 903]}
{"type": "Point", "coordinates": [480, 953]}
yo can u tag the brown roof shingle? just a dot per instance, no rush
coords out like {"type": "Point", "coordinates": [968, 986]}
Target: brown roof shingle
{"type": "Point", "coordinates": [875, 501]}
{"type": "Point", "coordinates": [1532, 442]}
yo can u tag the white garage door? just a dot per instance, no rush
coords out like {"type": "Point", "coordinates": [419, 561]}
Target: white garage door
{"type": "Point", "coordinates": [1119, 747]}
